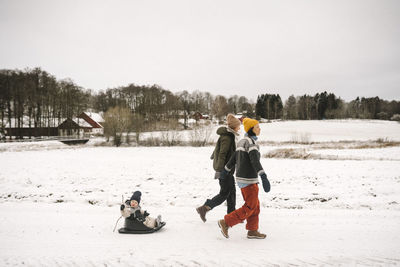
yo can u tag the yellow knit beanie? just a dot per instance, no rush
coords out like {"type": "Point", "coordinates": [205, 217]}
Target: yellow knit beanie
{"type": "Point", "coordinates": [249, 123]}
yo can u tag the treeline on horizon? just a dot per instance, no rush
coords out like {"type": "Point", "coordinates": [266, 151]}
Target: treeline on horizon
{"type": "Point", "coordinates": [41, 100]}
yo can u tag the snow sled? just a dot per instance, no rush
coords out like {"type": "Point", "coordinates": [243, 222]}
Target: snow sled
{"type": "Point", "coordinates": [133, 226]}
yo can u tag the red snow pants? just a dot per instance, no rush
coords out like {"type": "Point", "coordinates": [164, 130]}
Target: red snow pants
{"type": "Point", "coordinates": [249, 211]}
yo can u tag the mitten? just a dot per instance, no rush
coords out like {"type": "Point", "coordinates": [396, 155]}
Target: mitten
{"type": "Point", "coordinates": [125, 212]}
{"type": "Point", "coordinates": [122, 207]}
{"type": "Point", "coordinates": [265, 182]}
{"type": "Point", "coordinates": [145, 214]}
{"type": "Point", "coordinates": [139, 216]}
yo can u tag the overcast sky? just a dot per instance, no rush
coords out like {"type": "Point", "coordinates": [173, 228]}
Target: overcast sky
{"type": "Point", "coordinates": [348, 47]}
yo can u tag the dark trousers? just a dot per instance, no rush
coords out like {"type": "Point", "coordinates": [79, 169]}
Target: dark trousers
{"type": "Point", "coordinates": [227, 192]}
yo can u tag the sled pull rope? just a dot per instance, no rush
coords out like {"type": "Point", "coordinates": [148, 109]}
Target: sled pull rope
{"type": "Point", "coordinates": [122, 202]}
{"type": "Point", "coordinates": [117, 223]}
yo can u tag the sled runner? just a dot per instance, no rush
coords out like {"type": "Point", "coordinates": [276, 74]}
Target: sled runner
{"type": "Point", "coordinates": [133, 226]}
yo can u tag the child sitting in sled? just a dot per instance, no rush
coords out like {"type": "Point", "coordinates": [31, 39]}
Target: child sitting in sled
{"type": "Point", "coordinates": [132, 209]}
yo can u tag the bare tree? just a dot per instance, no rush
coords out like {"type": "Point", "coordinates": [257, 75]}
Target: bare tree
{"type": "Point", "coordinates": [137, 125]}
{"type": "Point", "coordinates": [118, 120]}
{"type": "Point", "coordinates": [220, 107]}
{"type": "Point", "coordinates": [186, 103]}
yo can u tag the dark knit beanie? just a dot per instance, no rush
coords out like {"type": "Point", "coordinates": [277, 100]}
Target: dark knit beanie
{"type": "Point", "coordinates": [136, 196]}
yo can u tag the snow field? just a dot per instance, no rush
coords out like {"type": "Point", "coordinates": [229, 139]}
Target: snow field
{"type": "Point", "coordinates": [182, 176]}
{"type": "Point", "coordinates": [330, 130]}
{"type": "Point", "coordinates": [75, 234]}
{"type": "Point", "coordinates": [59, 205]}
{"type": "Point", "coordinates": [299, 131]}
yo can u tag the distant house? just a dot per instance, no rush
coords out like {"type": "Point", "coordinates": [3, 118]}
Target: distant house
{"type": "Point", "coordinates": [206, 117]}
{"type": "Point", "coordinates": [25, 128]}
{"type": "Point", "coordinates": [87, 123]}
{"type": "Point", "coordinates": [95, 120]}
{"type": "Point", "coordinates": [29, 132]}
{"type": "Point", "coordinates": [74, 127]}
{"type": "Point", "coordinates": [240, 116]}
{"type": "Point", "coordinates": [198, 116]}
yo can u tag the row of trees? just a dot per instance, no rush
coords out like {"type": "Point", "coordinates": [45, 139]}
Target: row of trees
{"type": "Point", "coordinates": [372, 108]}
{"type": "Point", "coordinates": [317, 107]}
{"type": "Point", "coordinates": [35, 98]}
{"type": "Point", "coordinates": [269, 106]}
{"type": "Point", "coordinates": [153, 103]}
{"type": "Point", "coordinates": [324, 106]}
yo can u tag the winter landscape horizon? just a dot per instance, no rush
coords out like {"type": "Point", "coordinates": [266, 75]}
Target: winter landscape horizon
{"type": "Point", "coordinates": [334, 200]}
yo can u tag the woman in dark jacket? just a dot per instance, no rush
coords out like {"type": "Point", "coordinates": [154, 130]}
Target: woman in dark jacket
{"type": "Point", "coordinates": [223, 151]}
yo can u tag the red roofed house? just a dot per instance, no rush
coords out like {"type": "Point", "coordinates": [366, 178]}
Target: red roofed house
{"type": "Point", "coordinates": [74, 127]}
{"type": "Point", "coordinates": [95, 120]}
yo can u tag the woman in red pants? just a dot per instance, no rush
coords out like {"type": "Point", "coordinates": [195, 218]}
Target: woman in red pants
{"type": "Point", "coordinates": [248, 168]}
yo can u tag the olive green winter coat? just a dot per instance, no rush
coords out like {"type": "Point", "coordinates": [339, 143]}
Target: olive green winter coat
{"type": "Point", "coordinates": [224, 148]}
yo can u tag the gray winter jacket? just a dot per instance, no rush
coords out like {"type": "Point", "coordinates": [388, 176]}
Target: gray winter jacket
{"type": "Point", "coordinates": [247, 161]}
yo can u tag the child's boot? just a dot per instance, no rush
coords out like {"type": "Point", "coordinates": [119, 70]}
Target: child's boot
{"type": "Point", "coordinates": [158, 220]}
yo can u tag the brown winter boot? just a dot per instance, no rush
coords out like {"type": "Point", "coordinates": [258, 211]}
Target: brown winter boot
{"type": "Point", "coordinates": [255, 235]}
{"type": "Point", "coordinates": [202, 210]}
{"type": "Point", "coordinates": [224, 228]}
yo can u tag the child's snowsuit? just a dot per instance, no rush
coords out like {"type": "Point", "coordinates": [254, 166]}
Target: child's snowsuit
{"type": "Point", "coordinates": [138, 214]}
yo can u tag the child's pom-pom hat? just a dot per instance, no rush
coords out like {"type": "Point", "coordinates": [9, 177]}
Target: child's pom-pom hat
{"type": "Point", "coordinates": [136, 196]}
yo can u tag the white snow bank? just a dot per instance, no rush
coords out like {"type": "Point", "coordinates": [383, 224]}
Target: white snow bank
{"type": "Point", "coordinates": [330, 130]}
{"type": "Point", "coordinates": [389, 153]}
{"type": "Point", "coordinates": [277, 131]}
{"type": "Point", "coordinates": [313, 131]}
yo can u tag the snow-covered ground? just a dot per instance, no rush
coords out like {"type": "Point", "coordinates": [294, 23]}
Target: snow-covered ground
{"type": "Point", "coordinates": [302, 131]}
{"type": "Point", "coordinates": [330, 130]}
{"type": "Point", "coordinates": [59, 204]}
